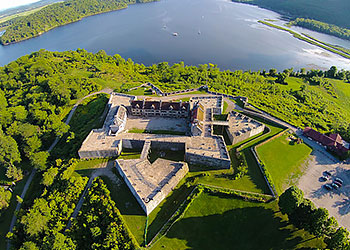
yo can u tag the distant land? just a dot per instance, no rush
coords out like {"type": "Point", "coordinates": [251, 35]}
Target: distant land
{"type": "Point", "coordinates": [330, 17]}
{"type": "Point", "coordinates": [58, 14]}
{"type": "Point", "coordinates": [27, 7]}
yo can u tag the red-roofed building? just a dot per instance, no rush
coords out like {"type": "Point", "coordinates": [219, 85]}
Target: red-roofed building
{"type": "Point", "coordinates": [159, 108]}
{"type": "Point", "coordinates": [334, 142]}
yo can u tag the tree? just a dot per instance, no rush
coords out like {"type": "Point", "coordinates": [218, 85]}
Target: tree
{"type": "Point", "coordinates": [338, 240]}
{"type": "Point", "coordinates": [290, 200]}
{"type": "Point", "coordinates": [49, 176]}
{"type": "Point", "coordinates": [9, 153]}
{"type": "Point", "coordinates": [36, 220]}
{"type": "Point", "coordinates": [321, 224]}
{"type": "Point", "coordinates": [281, 78]}
{"type": "Point", "coordinates": [272, 72]}
{"type": "Point", "coordinates": [5, 197]}
{"type": "Point", "coordinates": [14, 173]}
{"type": "Point", "coordinates": [58, 241]}
{"type": "Point", "coordinates": [19, 199]}
{"type": "Point", "coordinates": [39, 159]}
{"type": "Point", "coordinates": [29, 245]}
{"type": "Point", "coordinates": [301, 216]}
{"type": "Point", "coordinates": [332, 72]}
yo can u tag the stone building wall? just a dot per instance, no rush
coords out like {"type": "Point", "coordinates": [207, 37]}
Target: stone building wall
{"type": "Point", "coordinates": [163, 189]}
{"type": "Point", "coordinates": [236, 139]}
{"type": "Point", "coordinates": [133, 144]}
{"type": "Point", "coordinates": [205, 160]}
{"type": "Point", "coordinates": [130, 186]}
{"type": "Point", "coordinates": [164, 145]}
{"type": "Point", "coordinates": [166, 189]}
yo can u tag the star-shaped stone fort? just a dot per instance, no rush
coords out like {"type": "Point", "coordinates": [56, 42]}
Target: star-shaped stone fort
{"type": "Point", "coordinates": [165, 125]}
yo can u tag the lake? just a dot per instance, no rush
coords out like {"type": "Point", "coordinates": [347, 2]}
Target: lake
{"type": "Point", "coordinates": [215, 31]}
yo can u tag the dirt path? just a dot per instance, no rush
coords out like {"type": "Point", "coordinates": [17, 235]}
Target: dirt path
{"type": "Point", "coordinates": [105, 170]}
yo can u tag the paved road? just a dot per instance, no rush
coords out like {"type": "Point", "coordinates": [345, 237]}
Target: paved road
{"type": "Point", "coordinates": [25, 189]}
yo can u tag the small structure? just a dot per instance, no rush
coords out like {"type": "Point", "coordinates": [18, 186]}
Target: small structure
{"type": "Point", "coordinates": [149, 182]}
{"type": "Point", "coordinates": [333, 142]}
{"type": "Point", "coordinates": [242, 127]}
{"type": "Point", "coordinates": [119, 121]}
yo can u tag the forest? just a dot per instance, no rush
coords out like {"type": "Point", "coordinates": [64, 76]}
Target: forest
{"type": "Point", "coordinates": [22, 28]}
{"type": "Point", "coordinates": [42, 222]}
{"type": "Point", "coordinates": [327, 11]}
{"type": "Point", "coordinates": [322, 27]}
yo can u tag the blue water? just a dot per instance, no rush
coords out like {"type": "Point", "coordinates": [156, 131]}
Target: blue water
{"type": "Point", "coordinates": [216, 31]}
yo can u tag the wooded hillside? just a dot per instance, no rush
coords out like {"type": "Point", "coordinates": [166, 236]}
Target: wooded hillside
{"type": "Point", "coordinates": [57, 15]}
{"type": "Point", "coordinates": [329, 11]}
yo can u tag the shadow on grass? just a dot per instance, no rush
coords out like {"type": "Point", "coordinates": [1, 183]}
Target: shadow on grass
{"type": "Point", "coordinates": [240, 228]}
{"type": "Point", "coordinates": [166, 209]}
{"type": "Point", "coordinates": [124, 199]}
{"type": "Point", "coordinates": [254, 172]}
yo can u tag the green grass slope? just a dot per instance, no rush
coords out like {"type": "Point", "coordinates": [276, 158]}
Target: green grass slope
{"type": "Point", "coordinates": [230, 223]}
{"type": "Point", "coordinates": [283, 159]}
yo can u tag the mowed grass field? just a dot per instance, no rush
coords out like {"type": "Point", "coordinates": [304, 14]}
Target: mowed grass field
{"type": "Point", "coordinates": [283, 160]}
{"type": "Point", "coordinates": [135, 218]}
{"type": "Point", "coordinates": [253, 181]}
{"type": "Point", "coordinates": [214, 222]}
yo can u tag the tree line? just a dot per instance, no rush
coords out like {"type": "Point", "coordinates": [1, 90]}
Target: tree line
{"type": "Point", "coordinates": [303, 214]}
{"type": "Point", "coordinates": [99, 224]}
{"type": "Point", "coordinates": [58, 14]}
{"type": "Point", "coordinates": [41, 225]}
{"type": "Point", "coordinates": [328, 11]}
{"type": "Point", "coordinates": [322, 27]}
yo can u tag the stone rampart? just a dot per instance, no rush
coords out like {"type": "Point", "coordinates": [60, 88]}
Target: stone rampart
{"type": "Point", "coordinates": [198, 159]}
{"type": "Point", "coordinates": [165, 145]}
{"type": "Point", "coordinates": [133, 144]}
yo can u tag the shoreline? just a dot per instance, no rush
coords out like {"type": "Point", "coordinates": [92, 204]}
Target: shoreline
{"type": "Point", "coordinates": [95, 14]}
{"type": "Point", "coordinates": [310, 40]}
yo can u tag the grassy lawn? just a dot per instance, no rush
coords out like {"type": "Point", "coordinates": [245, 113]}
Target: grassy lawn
{"type": "Point", "coordinates": [283, 160]}
{"type": "Point", "coordinates": [185, 99]}
{"type": "Point", "coordinates": [131, 211]}
{"type": "Point", "coordinates": [225, 106]}
{"type": "Point", "coordinates": [87, 116]}
{"type": "Point", "coordinates": [146, 91]}
{"type": "Point", "coordinates": [166, 154]}
{"type": "Point", "coordinates": [230, 223]}
{"type": "Point", "coordinates": [24, 13]}
{"type": "Point", "coordinates": [86, 167]}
